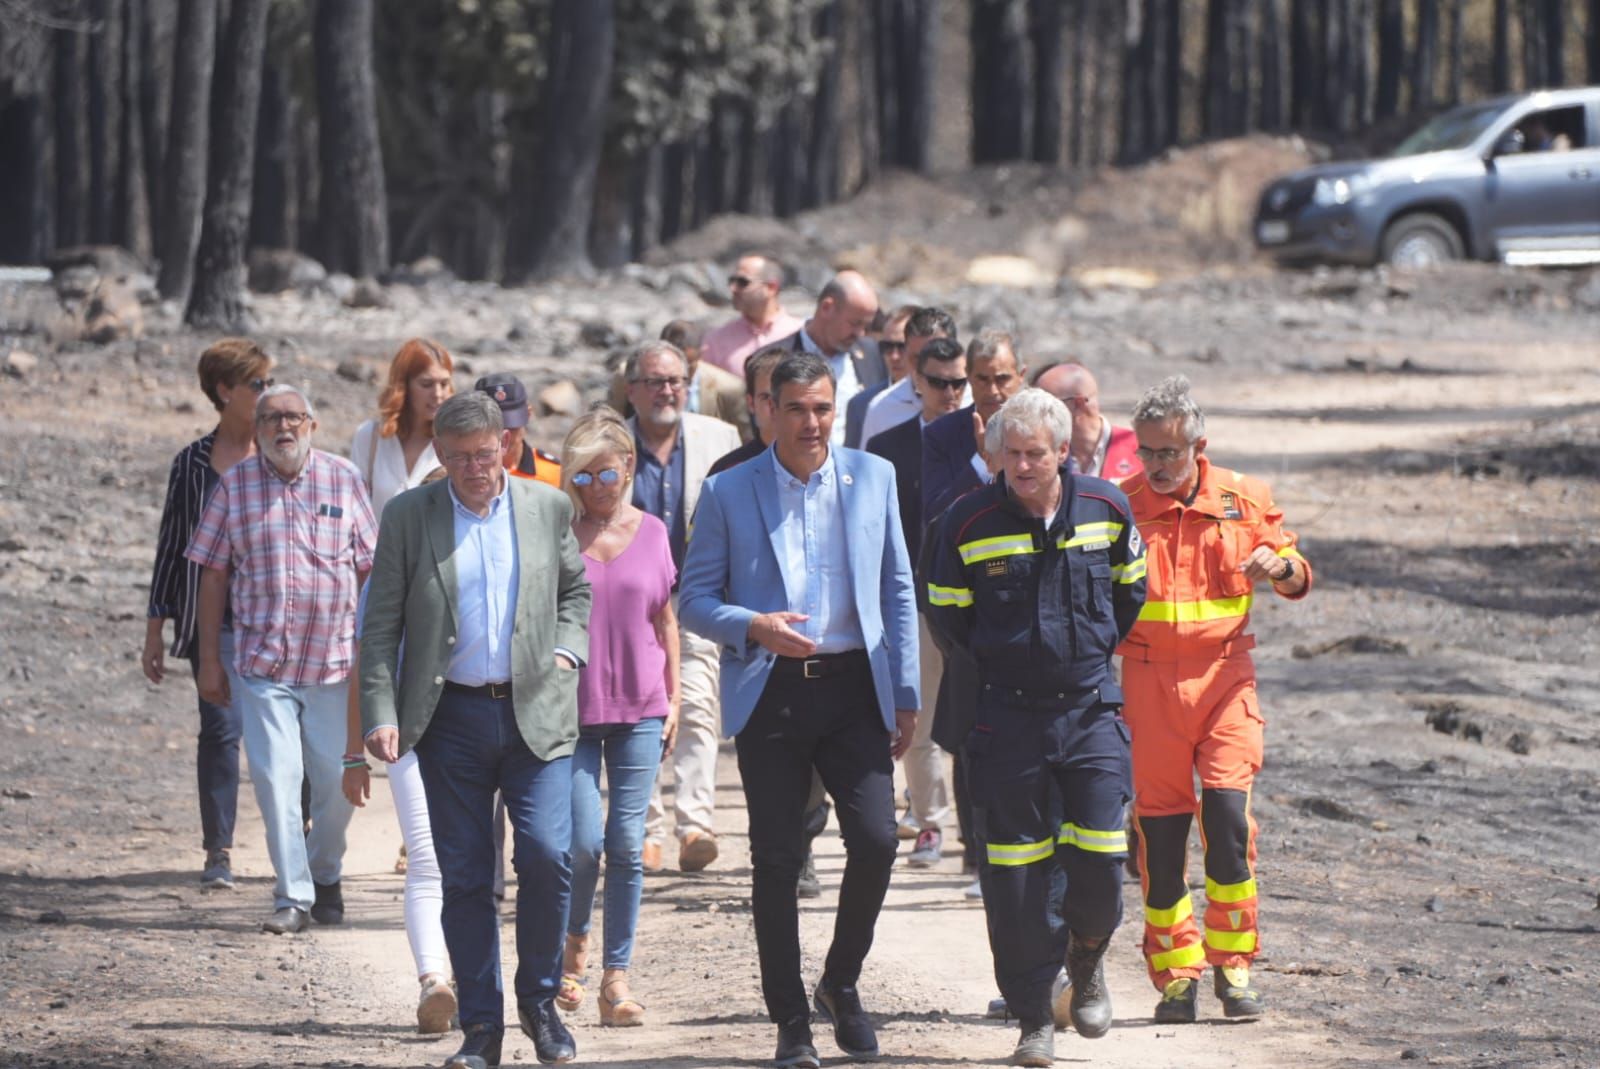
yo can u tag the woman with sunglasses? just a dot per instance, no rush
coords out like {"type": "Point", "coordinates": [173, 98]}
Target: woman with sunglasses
{"type": "Point", "coordinates": [395, 450]}
{"type": "Point", "coordinates": [233, 373]}
{"type": "Point", "coordinates": [627, 701]}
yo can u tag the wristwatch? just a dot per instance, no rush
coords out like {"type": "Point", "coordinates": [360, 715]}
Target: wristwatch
{"type": "Point", "coordinates": [1288, 571]}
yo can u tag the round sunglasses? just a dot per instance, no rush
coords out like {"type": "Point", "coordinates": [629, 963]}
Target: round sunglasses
{"type": "Point", "coordinates": [606, 476]}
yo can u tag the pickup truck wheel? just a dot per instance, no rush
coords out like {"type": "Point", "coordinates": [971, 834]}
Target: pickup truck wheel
{"type": "Point", "coordinates": [1421, 240]}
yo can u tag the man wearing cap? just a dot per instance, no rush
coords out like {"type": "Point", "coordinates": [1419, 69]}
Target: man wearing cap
{"type": "Point", "coordinates": [521, 459]}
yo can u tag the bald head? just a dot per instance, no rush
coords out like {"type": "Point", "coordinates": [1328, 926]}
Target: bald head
{"type": "Point", "coordinates": [845, 309]}
{"type": "Point", "coordinates": [1074, 386]}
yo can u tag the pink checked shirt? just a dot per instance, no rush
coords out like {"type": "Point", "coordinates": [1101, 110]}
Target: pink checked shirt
{"type": "Point", "coordinates": [731, 344]}
{"type": "Point", "coordinates": [295, 549]}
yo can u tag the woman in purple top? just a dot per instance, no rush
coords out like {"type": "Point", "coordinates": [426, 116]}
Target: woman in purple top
{"type": "Point", "coordinates": [627, 701]}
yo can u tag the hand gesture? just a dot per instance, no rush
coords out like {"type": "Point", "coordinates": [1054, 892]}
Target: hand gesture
{"type": "Point", "coordinates": [771, 630]}
{"type": "Point", "coordinates": [1262, 563]}
{"type": "Point", "coordinates": [357, 785]}
{"type": "Point", "coordinates": [212, 682]}
{"type": "Point", "coordinates": [905, 726]}
{"type": "Point", "coordinates": [384, 744]}
{"type": "Point", "coordinates": [153, 659]}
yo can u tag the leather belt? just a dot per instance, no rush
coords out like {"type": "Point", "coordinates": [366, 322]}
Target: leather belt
{"type": "Point", "coordinates": [822, 665]}
{"type": "Point", "coordinates": [497, 691]}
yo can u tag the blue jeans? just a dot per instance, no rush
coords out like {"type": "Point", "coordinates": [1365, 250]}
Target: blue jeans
{"type": "Point", "coordinates": [632, 754]}
{"type": "Point", "coordinates": [294, 735]}
{"type": "Point", "coordinates": [471, 749]}
{"type": "Point", "coordinates": [217, 757]}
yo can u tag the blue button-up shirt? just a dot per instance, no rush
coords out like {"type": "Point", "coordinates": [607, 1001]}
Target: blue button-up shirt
{"type": "Point", "coordinates": [658, 490]}
{"type": "Point", "coordinates": [816, 558]}
{"type": "Point", "coordinates": [486, 591]}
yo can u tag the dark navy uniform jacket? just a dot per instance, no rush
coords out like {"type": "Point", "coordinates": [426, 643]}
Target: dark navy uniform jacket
{"type": "Point", "coordinates": [1041, 607]}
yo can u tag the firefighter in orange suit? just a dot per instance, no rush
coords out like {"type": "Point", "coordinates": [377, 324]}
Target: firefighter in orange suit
{"type": "Point", "coordinates": [1213, 538]}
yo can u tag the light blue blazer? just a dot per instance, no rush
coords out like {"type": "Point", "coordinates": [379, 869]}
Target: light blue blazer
{"type": "Point", "coordinates": [731, 574]}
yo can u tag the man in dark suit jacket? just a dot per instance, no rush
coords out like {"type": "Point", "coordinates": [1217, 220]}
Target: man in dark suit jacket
{"type": "Point", "coordinates": [951, 465]}
{"type": "Point", "coordinates": [896, 365]}
{"type": "Point", "coordinates": [845, 309]}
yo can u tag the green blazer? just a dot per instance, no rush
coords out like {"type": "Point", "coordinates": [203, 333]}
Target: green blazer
{"type": "Point", "coordinates": [411, 597]}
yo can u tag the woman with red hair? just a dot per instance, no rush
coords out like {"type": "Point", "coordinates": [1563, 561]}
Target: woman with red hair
{"type": "Point", "coordinates": [395, 451]}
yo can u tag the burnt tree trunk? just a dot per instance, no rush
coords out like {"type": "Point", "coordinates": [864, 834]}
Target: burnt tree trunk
{"type": "Point", "coordinates": [1076, 103]}
{"type": "Point", "coordinates": [1137, 118]}
{"type": "Point", "coordinates": [1358, 76]}
{"type": "Point", "coordinates": [355, 214]}
{"type": "Point", "coordinates": [820, 178]}
{"type": "Point", "coordinates": [1391, 56]}
{"type": "Point", "coordinates": [1457, 39]}
{"type": "Point", "coordinates": [71, 138]}
{"type": "Point", "coordinates": [1593, 48]}
{"type": "Point", "coordinates": [184, 193]}
{"type": "Point", "coordinates": [1533, 75]}
{"type": "Point", "coordinates": [1304, 70]}
{"type": "Point", "coordinates": [1500, 58]}
{"type": "Point", "coordinates": [105, 118]}
{"type": "Point", "coordinates": [157, 28]}
{"type": "Point", "coordinates": [999, 83]}
{"type": "Point", "coordinates": [1425, 59]}
{"type": "Point", "coordinates": [1335, 39]}
{"type": "Point", "coordinates": [133, 191]}
{"type": "Point", "coordinates": [912, 42]}
{"type": "Point", "coordinates": [1172, 74]}
{"type": "Point", "coordinates": [552, 239]}
{"type": "Point", "coordinates": [1555, 42]}
{"type": "Point", "coordinates": [610, 218]}
{"type": "Point", "coordinates": [27, 226]}
{"type": "Point", "coordinates": [1214, 113]}
{"type": "Point", "coordinates": [217, 301]}
{"type": "Point", "coordinates": [784, 138]}
{"type": "Point", "coordinates": [645, 201]}
{"type": "Point", "coordinates": [1274, 113]}
{"type": "Point", "coordinates": [274, 217]}
{"type": "Point", "coordinates": [1044, 31]}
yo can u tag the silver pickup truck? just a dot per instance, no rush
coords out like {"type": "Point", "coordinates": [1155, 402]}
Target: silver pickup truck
{"type": "Point", "coordinates": [1514, 179]}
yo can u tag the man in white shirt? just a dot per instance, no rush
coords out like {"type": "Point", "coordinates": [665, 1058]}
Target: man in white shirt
{"type": "Point", "coordinates": [845, 309]}
{"type": "Point", "coordinates": [900, 402]}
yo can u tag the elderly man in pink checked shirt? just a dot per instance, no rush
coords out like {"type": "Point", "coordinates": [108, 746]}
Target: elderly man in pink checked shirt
{"type": "Point", "coordinates": [754, 287]}
{"type": "Point", "coordinates": [285, 542]}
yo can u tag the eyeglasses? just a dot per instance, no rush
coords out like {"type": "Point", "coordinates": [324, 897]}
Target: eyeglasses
{"type": "Point", "coordinates": [739, 282]}
{"type": "Point", "coordinates": [885, 346]}
{"type": "Point", "coordinates": [1164, 456]}
{"type": "Point", "coordinates": [935, 382]}
{"type": "Point", "coordinates": [605, 477]}
{"type": "Point", "coordinates": [483, 458]}
{"type": "Point", "coordinates": [290, 420]}
{"type": "Point", "coordinates": [674, 382]}
{"type": "Point", "coordinates": [259, 385]}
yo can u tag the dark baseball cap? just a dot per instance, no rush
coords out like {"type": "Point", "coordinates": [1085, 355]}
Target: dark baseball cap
{"type": "Point", "coordinates": [512, 396]}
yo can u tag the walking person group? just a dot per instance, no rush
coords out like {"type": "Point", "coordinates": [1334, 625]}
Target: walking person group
{"type": "Point", "coordinates": [547, 634]}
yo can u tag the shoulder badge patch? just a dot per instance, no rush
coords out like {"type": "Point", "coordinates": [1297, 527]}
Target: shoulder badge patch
{"type": "Point", "coordinates": [1230, 507]}
{"type": "Point", "coordinates": [995, 569]}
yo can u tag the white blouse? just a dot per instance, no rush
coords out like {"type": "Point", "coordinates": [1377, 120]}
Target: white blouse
{"type": "Point", "coordinates": [385, 468]}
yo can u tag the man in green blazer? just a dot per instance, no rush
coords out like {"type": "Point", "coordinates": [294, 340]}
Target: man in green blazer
{"type": "Point", "coordinates": [475, 627]}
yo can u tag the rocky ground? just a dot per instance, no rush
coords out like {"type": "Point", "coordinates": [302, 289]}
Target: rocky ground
{"type": "Point", "coordinates": [1428, 811]}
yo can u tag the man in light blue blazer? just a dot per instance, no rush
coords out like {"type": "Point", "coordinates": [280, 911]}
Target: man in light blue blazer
{"type": "Point", "coordinates": [797, 569]}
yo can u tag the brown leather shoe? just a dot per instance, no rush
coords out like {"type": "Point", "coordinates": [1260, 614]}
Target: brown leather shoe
{"type": "Point", "coordinates": [698, 849]}
{"type": "Point", "coordinates": [650, 856]}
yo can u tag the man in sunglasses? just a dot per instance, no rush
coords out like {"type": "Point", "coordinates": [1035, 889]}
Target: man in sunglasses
{"type": "Point", "coordinates": [902, 401]}
{"type": "Point", "coordinates": [284, 542]}
{"type": "Point", "coordinates": [753, 291]}
{"type": "Point", "coordinates": [896, 363]}
{"type": "Point", "coordinates": [1214, 537]}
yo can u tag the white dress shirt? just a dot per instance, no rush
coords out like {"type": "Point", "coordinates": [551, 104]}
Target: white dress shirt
{"type": "Point", "coordinates": [816, 558]}
{"type": "Point", "coordinates": [894, 406]}
{"type": "Point", "coordinates": [845, 383]}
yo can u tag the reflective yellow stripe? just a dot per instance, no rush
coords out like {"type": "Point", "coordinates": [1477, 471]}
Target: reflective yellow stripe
{"type": "Point", "coordinates": [1086, 534]}
{"type": "Point", "coordinates": [1020, 853]}
{"type": "Point", "coordinates": [1189, 612]}
{"type": "Point", "coordinates": [1182, 958]}
{"type": "Point", "coordinates": [1169, 918]}
{"type": "Point", "coordinates": [1129, 573]}
{"type": "Point", "coordinates": [1230, 892]}
{"type": "Point", "coordinates": [1099, 842]}
{"type": "Point", "coordinates": [949, 595]}
{"type": "Point", "coordinates": [1231, 942]}
{"type": "Point", "coordinates": [989, 548]}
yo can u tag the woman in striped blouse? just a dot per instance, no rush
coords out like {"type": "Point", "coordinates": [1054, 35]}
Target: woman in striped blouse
{"type": "Point", "coordinates": [233, 373]}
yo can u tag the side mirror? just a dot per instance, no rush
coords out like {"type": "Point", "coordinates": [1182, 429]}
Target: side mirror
{"type": "Point", "coordinates": [1511, 143]}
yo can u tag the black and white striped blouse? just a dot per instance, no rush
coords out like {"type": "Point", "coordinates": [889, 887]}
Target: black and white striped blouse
{"type": "Point", "coordinates": [175, 583]}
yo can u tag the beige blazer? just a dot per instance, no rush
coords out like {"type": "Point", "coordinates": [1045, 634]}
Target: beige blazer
{"type": "Point", "coordinates": [411, 597]}
{"type": "Point", "coordinates": [705, 441]}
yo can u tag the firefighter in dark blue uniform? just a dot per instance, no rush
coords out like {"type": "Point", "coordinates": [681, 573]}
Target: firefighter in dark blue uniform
{"type": "Point", "coordinates": [1040, 575]}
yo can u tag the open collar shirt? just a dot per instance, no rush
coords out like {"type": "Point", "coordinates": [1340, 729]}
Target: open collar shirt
{"type": "Point", "coordinates": [815, 561]}
{"type": "Point", "coordinates": [487, 575]}
{"type": "Point", "coordinates": [295, 549]}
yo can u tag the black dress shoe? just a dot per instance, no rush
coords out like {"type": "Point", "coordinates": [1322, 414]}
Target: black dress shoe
{"type": "Point", "coordinates": [329, 905]}
{"type": "Point", "coordinates": [795, 1050]}
{"type": "Point", "coordinates": [552, 1043]}
{"type": "Point", "coordinates": [841, 1007]}
{"type": "Point", "coordinates": [480, 1049]}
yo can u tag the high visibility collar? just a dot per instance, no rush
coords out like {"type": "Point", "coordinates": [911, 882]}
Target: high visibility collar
{"type": "Point", "coordinates": [1063, 510]}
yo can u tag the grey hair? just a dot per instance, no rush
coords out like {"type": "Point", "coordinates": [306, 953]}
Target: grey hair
{"type": "Point", "coordinates": [285, 388]}
{"type": "Point", "coordinates": [630, 366]}
{"type": "Point", "coordinates": [1170, 398]}
{"type": "Point", "coordinates": [988, 343]}
{"type": "Point", "coordinates": [1030, 410]}
{"type": "Point", "coordinates": [472, 412]}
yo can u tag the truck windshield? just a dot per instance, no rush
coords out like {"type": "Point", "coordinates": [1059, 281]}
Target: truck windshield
{"type": "Point", "coordinates": [1454, 129]}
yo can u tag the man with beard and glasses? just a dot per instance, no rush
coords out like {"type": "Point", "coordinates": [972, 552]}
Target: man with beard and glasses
{"type": "Point", "coordinates": [286, 541]}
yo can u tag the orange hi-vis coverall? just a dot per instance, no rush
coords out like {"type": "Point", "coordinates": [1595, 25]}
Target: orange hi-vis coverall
{"type": "Point", "coordinates": [1190, 688]}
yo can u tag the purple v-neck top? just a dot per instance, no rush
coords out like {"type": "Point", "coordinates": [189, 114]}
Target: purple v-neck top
{"type": "Point", "coordinates": [625, 679]}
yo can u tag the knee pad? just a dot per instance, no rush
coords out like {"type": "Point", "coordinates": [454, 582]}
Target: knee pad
{"type": "Point", "coordinates": [1225, 819]}
{"type": "Point", "coordinates": [1165, 845]}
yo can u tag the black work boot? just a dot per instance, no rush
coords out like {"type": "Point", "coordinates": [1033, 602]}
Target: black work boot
{"type": "Point", "coordinates": [329, 905]}
{"type": "Point", "coordinates": [1177, 1005]}
{"type": "Point", "coordinates": [1238, 998]}
{"type": "Point", "coordinates": [1037, 1047]}
{"type": "Point", "coordinates": [1091, 1002]}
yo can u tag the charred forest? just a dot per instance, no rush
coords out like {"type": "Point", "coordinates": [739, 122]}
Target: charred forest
{"type": "Point", "coordinates": [517, 140]}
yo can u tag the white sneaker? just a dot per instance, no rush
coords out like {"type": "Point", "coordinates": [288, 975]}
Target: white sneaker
{"type": "Point", "coordinates": [974, 892]}
{"type": "Point", "coordinates": [908, 827]}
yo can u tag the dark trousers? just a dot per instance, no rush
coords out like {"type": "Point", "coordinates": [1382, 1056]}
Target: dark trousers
{"type": "Point", "coordinates": [471, 749]}
{"type": "Point", "coordinates": [217, 769]}
{"type": "Point", "coordinates": [1049, 787]}
{"type": "Point", "coordinates": [832, 725]}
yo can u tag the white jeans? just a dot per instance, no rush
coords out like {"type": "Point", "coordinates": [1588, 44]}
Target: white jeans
{"type": "Point", "coordinates": [924, 762]}
{"type": "Point", "coordinates": [424, 891]}
{"type": "Point", "coordinates": [694, 757]}
{"type": "Point", "coordinates": [292, 733]}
